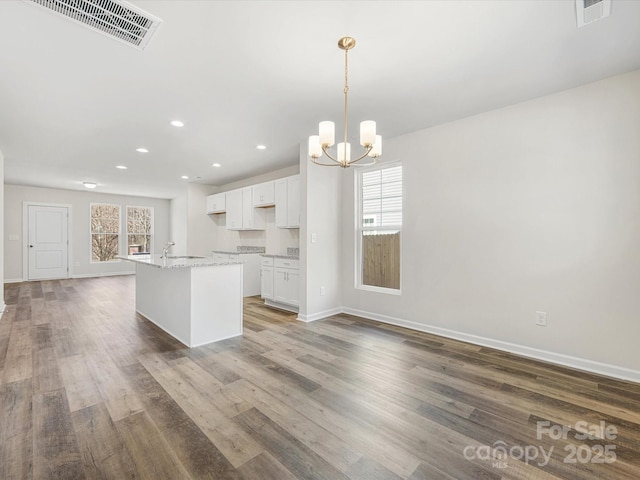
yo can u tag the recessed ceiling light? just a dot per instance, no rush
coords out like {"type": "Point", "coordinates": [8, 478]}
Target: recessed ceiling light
{"type": "Point", "coordinates": [216, 165]}
{"type": "Point", "coordinates": [261, 147]}
{"type": "Point", "coordinates": [177, 123]}
{"type": "Point", "coordinates": [121, 167]}
{"type": "Point", "coordinates": [184, 177]}
{"type": "Point", "coordinates": [89, 184]}
{"type": "Point", "coordinates": [142, 150]}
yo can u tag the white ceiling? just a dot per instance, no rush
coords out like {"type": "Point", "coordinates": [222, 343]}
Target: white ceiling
{"type": "Point", "coordinates": [75, 103]}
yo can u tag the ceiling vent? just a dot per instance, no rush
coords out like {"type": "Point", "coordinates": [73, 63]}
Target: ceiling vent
{"type": "Point", "coordinates": [114, 18]}
{"type": "Point", "coordinates": [591, 10]}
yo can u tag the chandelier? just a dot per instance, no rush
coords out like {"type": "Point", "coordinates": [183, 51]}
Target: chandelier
{"type": "Point", "coordinates": [319, 144]}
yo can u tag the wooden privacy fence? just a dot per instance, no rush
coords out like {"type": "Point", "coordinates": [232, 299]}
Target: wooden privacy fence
{"type": "Point", "coordinates": [381, 260]}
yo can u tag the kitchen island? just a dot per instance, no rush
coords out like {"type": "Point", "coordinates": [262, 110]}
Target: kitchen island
{"type": "Point", "coordinates": [197, 300]}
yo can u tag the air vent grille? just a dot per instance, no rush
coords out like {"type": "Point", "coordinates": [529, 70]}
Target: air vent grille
{"type": "Point", "coordinates": [589, 11]}
{"type": "Point", "coordinates": [114, 18]}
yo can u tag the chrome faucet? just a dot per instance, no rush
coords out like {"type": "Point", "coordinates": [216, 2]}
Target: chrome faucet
{"type": "Point", "coordinates": [165, 250]}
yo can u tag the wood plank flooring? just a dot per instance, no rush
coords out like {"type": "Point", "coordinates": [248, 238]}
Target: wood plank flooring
{"type": "Point", "coordinates": [88, 389]}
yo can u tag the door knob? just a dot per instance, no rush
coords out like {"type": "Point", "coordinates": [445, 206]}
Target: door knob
{"type": "Point", "coordinates": [30, 246]}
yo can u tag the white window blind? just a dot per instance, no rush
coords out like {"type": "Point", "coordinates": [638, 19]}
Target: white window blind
{"type": "Point", "coordinates": [382, 199]}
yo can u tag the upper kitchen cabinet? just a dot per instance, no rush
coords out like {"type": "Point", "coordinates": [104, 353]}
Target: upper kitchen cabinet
{"type": "Point", "coordinates": [264, 195]}
{"type": "Point", "coordinates": [216, 203]}
{"type": "Point", "coordinates": [241, 215]}
{"type": "Point", "coordinates": [288, 202]}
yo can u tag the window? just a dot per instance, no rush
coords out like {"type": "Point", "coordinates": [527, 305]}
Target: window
{"type": "Point", "coordinates": [105, 232]}
{"type": "Point", "coordinates": [139, 230]}
{"type": "Point", "coordinates": [379, 227]}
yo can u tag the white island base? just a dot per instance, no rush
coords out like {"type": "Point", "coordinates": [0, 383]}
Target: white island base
{"type": "Point", "coordinates": [196, 305]}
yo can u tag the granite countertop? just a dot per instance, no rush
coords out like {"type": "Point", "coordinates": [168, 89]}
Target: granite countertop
{"type": "Point", "coordinates": [177, 261]}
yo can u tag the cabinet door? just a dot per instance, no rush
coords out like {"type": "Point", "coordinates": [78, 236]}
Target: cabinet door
{"type": "Point", "coordinates": [234, 210]}
{"type": "Point", "coordinates": [281, 202]}
{"type": "Point", "coordinates": [293, 201]}
{"type": "Point", "coordinates": [280, 285]}
{"type": "Point", "coordinates": [216, 203]}
{"type": "Point", "coordinates": [293, 286]}
{"type": "Point", "coordinates": [247, 209]}
{"type": "Point", "coordinates": [211, 204]}
{"type": "Point", "coordinates": [263, 194]}
{"type": "Point", "coordinates": [266, 282]}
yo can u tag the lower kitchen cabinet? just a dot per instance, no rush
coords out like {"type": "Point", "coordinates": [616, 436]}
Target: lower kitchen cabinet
{"type": "Point", "coordinates": [281, 282]}
{"type": "Point", "coordinates": [266, 278]}
{"type": "Point", "coordinates": [286, 282]}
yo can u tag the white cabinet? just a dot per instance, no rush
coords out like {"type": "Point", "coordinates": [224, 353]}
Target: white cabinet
{"type": "Point", "coordinates": [286, 281]}
{"type": "Point", "coordinates": [266, 278]}
{"type": "Point", "coordinates": [234, 210]}
{"type": "Point", "coordinates": [263, 194]}
{"type": "Point", "coordinates": [280, 282]}
{"type": "Point", "coordinates": [216, 203]}
{"type": "Point", "coordinates": [241, 215]}
{"type": "Point", "coordinates": [287, 193]}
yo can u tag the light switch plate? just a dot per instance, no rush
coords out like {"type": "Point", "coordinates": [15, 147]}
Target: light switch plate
{"type": "Point", "coordinates": [541, 319]}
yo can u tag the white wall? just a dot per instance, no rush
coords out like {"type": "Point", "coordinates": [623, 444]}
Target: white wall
{"type": "Point", "coordinates": [531, 207]}
{"type": "Point", "coordinates": [320, 261]}
{"type": "Point", "coordinates": [201, 229]}
{"type": "Point", "coordinates": [80, 251]}
{"type": "Point", "coordinates": [178, 214]}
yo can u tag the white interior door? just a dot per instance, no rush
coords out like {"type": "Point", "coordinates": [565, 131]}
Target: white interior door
{"type": "Point", "coordinates": [48, 242]}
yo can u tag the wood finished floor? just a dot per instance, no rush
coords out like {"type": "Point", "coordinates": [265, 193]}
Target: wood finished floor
{"type": "Point", "coordinates": [90, 390]}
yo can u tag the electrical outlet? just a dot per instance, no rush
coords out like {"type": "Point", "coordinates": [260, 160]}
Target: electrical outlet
{"type": "Point", "coordinates": [322, 291]}
{"type": "Point", "coordinates": [314, 238]}
{"type": "Point", "coordinates": [541, 319]}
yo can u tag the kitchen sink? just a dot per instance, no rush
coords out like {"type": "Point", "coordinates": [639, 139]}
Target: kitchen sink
{"type": "Point", "coordinates": [182, 257]}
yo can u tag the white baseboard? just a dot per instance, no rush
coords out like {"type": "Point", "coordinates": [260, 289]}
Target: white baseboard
{"type": "Point", "coordinates": [544, 355]}
{"type": "Point", "coordinates": [320, 315]}
{"type": "Point", "coordinates": [104, 274]}
{"type": "Point", "coordinates": [75, 275]}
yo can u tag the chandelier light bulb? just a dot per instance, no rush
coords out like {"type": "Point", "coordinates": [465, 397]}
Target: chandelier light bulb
{"type": "Point", "coordinates": [367, 133]}
{"type": "Point", "coordinates": [315, 149]}
{"type": "Point", "coordinates": [376, 151]}
{"type": "Point", "coordinates": [344, 155]}
{"type": "Point", "coordinates": [327, 135]}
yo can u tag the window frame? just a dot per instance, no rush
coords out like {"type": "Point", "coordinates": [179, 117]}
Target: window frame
{"type": "Point", "coordinates": [126, 223]}
{"type": "Point", "coordinates": [91, 232]}
{"type": "Point", "coordinates": [359, 229]}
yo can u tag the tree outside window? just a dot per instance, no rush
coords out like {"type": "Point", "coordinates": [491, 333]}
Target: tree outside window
{"type": "Point", "coordinates": [139, 230]}
{"type": "Point", "coordinates": [105, 232]}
